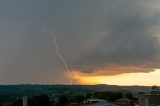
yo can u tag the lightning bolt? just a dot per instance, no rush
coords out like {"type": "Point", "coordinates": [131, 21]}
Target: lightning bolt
{"type": "Point", "coordinates": [53, 35]}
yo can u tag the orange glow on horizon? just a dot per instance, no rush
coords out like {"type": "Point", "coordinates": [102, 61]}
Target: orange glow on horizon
{"type": "Point", "coordinates": [145, 79]}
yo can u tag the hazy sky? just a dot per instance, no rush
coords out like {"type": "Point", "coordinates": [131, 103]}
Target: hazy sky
{"type": "Point", "coordinates": [97, 38]}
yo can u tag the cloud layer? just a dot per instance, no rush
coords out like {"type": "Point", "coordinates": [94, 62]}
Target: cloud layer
{"type": "Point", "coordinates": [128, 42]}
{"type": "Point", "coordinates": [96, 37]}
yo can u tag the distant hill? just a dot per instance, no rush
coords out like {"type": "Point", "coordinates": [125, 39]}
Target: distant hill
{"type": "Point", "coordinates": [12, 92]}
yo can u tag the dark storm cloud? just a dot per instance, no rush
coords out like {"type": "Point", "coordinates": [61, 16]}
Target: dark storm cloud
{"type": "Point", "coordinates": [126, 40]}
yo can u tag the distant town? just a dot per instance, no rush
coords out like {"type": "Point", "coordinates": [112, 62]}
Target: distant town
{"type": "Point", "coordinates": [79, 95]}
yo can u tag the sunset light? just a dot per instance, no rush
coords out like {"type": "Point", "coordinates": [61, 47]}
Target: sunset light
{"type": "Point", "coordinates": [144, 79]}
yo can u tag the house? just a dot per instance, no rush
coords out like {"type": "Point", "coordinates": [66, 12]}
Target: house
{"type": "Point", "coordinates": [123, 102]}
{"type": "Point", "coordinates": [93, 100]}
{"type": "Point", "coordinates": [149, 100]}
{"type": "Point", "coordinates": [98, 102]}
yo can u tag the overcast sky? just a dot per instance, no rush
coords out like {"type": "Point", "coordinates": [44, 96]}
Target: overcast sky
{"type": "Point", "coordinates": [95, 37]}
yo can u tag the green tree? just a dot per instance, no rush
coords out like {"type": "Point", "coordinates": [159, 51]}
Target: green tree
{"type": "Point", "coordinates": [63, 100]}
{"type": "Point", "coordinates": [155, 90]}
{"type": "Point", "coordinates": [141, 93]}
{"type": "Point", "coordinates": [17, 103]}
{"type": "Point", "coordinates": [109, 95]}
{"type": "Point", "coordinates": [41, 100]}
{"type": "Point", "coordinates": [129, 95]}
{"type": "Point", "coordinates": [79, 99]}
